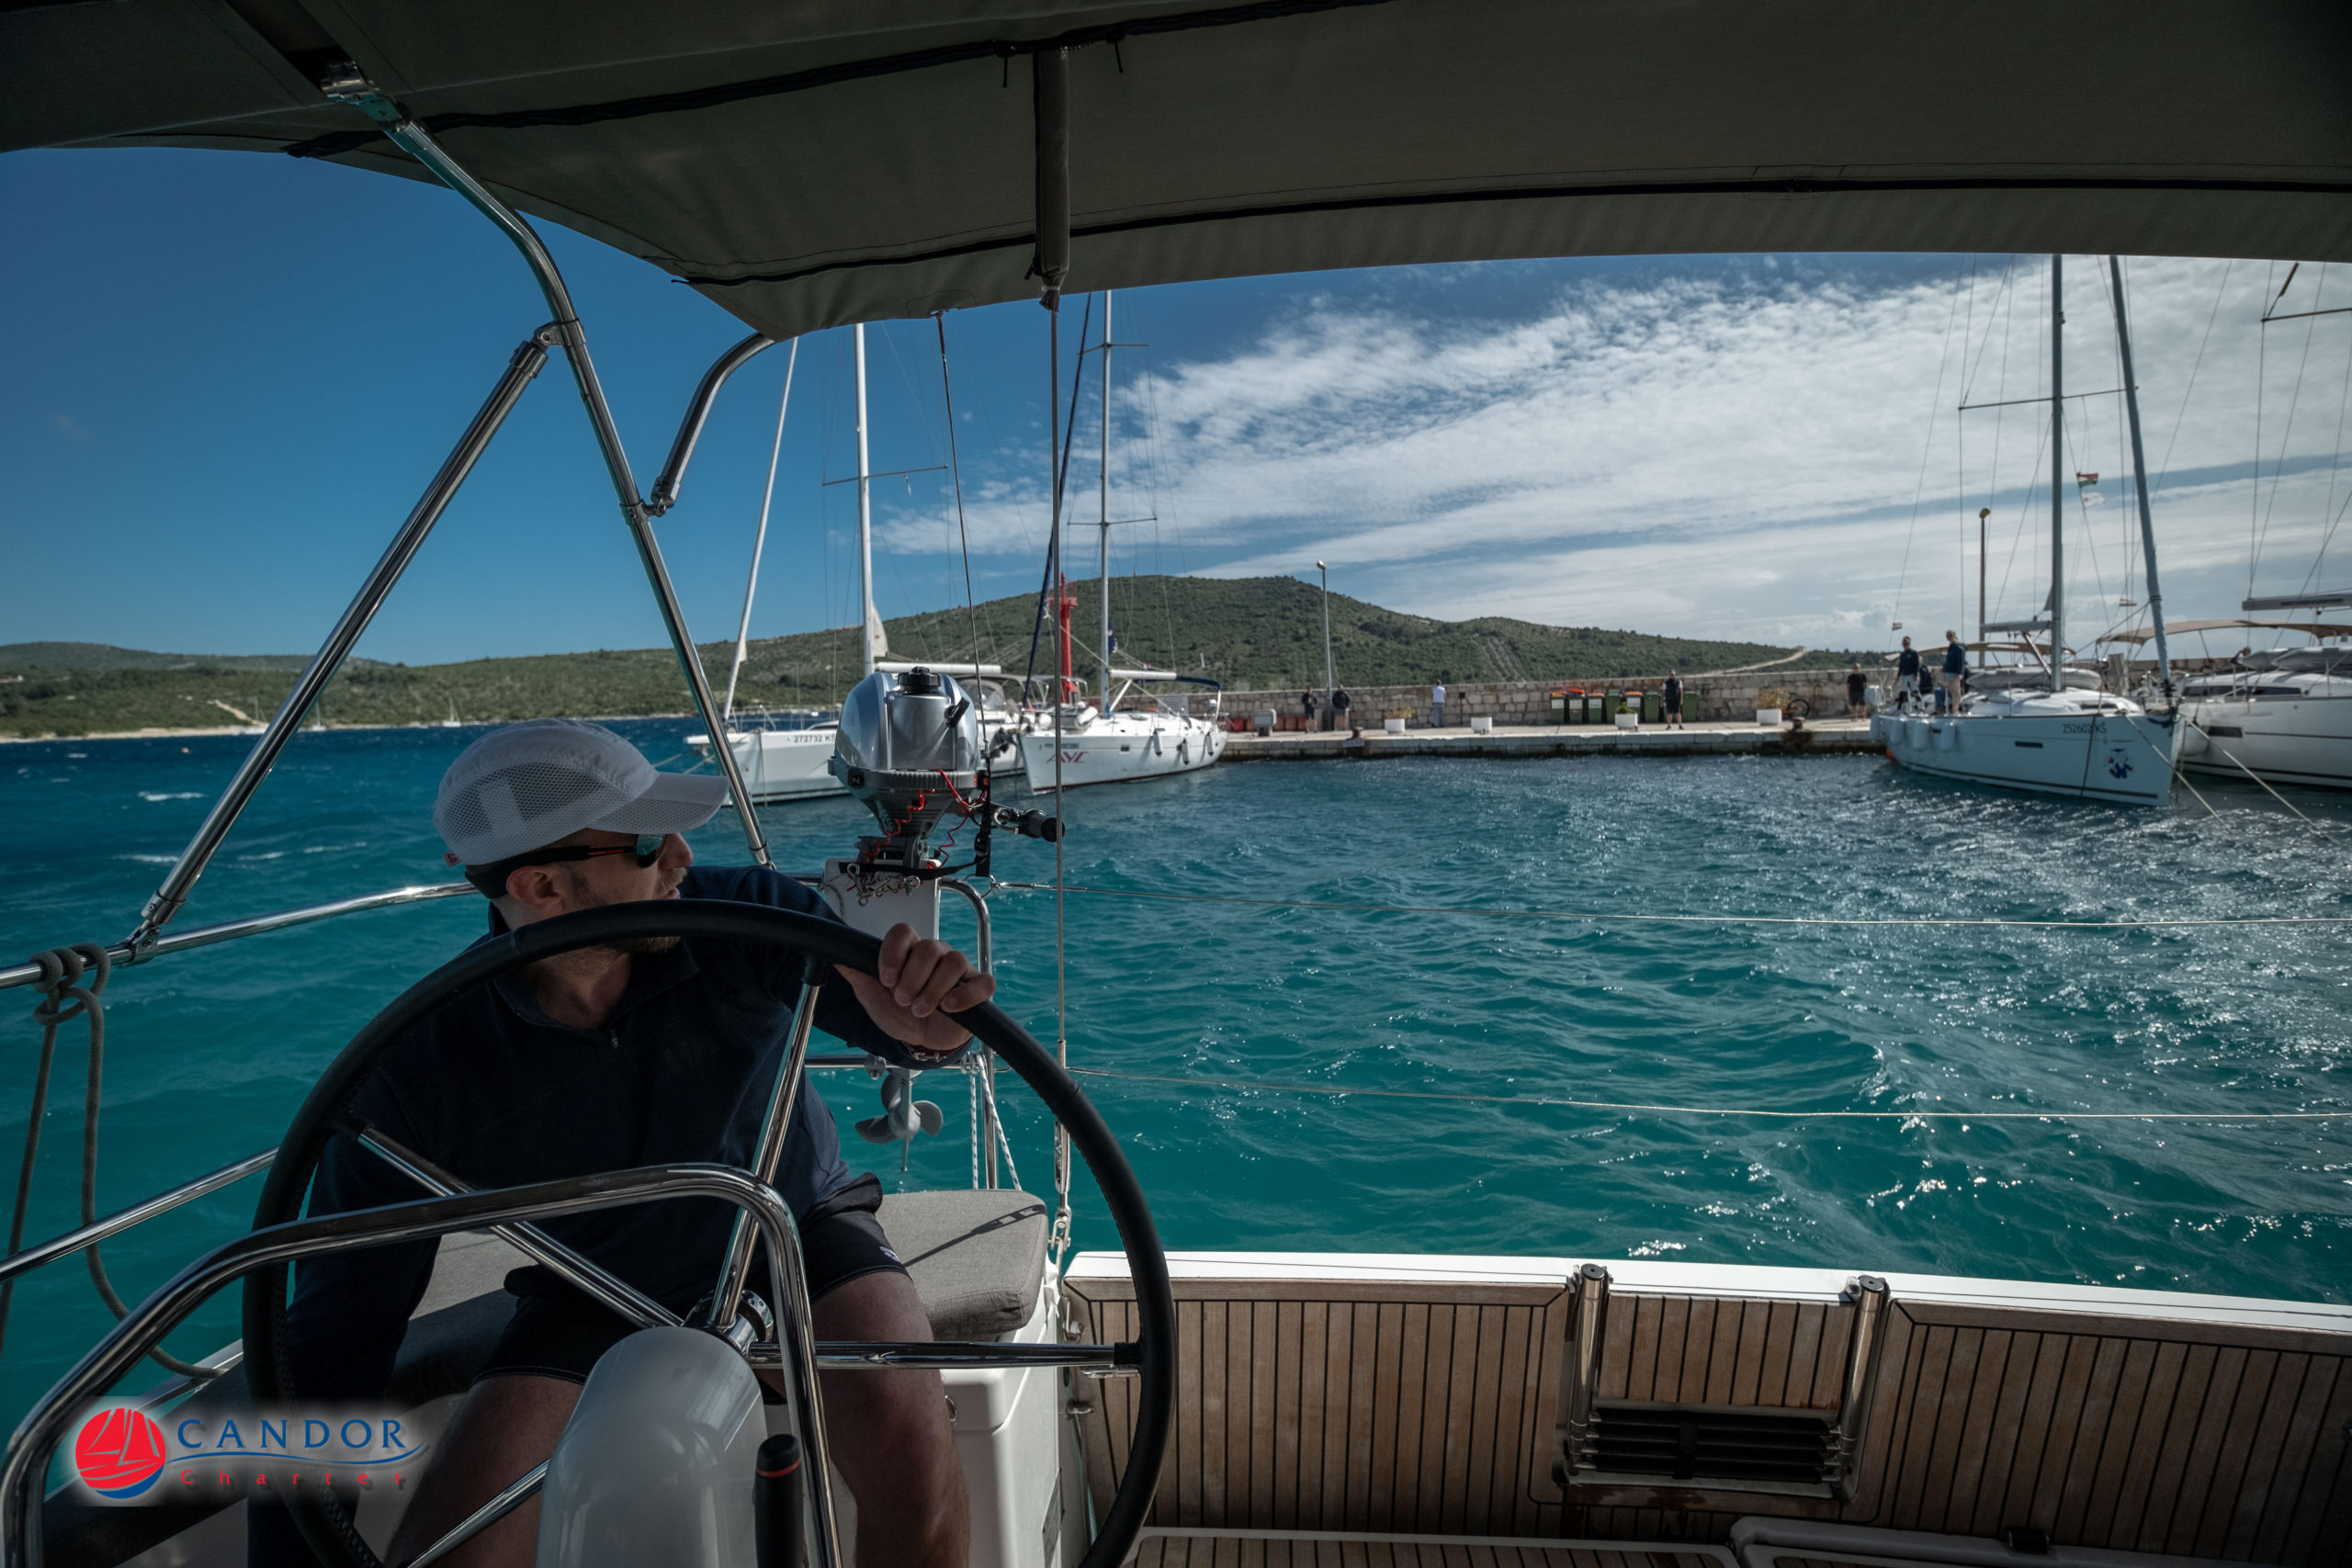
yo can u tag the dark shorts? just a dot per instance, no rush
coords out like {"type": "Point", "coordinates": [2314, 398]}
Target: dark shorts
{"type": "Point", "coordinates": [557, 1332]}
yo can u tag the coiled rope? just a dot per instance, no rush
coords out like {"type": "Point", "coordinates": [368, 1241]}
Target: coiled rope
{"type": "Point", "coordinates": [65, 997]}
{"type": "Point", "coordinates": [2126, 924]}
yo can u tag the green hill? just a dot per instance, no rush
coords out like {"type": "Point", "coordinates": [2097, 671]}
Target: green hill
{"type": "Point", "coordinates": [1252, 633]}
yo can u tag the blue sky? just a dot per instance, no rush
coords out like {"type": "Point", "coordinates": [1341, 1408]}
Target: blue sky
{"type": "Point", "coordinates": [229, 374]}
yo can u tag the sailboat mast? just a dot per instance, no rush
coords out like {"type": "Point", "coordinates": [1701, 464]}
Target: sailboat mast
{"type": "Point", "coordinates": [1104, 535]}
{"type": "Point", "coordinates": [865, 518]}
{"type": "Point", "coordinates": [760, 539]}
{"type": "Point", "coordinates": [2139, 479]}
{"type": "Point", "coordinates": [2057, 474]}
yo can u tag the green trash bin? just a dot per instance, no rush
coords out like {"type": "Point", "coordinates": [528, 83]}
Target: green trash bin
{"type": "Point", "coordinates": [1596, 707]}
{"type": "Point", "coordinates": [1559, 707]}
{"type": "Point", "coordinates": [1653, 708]}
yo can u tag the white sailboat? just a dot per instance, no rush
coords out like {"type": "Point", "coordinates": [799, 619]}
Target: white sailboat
{"type": "Point", "coordinates": [2060, 739]}
{"type": "Point", "coordinates": [1096, 743]}
{"type": "Point", "coordinates": [2287, 718]}
{"type": "Point", "coordinates": [2281, 716]}
{"type": "Point", "coordinates": [783, 757]}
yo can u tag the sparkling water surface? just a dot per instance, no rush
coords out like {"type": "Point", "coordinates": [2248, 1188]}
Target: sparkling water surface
{"type": "Point", "coordinates": [209, 1052]}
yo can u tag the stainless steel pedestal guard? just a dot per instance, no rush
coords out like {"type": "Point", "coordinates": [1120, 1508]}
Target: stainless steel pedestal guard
{"type": "Point", "coordinates": [177, 883]}
{"type": "Point", "coordinates": [30, 1446]}
{"type": "Point", "coordinates": [346, 84]}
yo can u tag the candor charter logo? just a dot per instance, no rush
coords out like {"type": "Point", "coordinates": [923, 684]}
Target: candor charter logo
{"type": "Point", "coordinates": [122, 1454]}
{"type": "Point", "coordinates": [118, 1453]}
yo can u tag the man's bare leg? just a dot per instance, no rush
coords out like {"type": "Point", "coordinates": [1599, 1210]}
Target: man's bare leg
{"type": "Point", "coordinates": [505, 1425]}
{"type": "Point", "coordinates": [890, 1435]}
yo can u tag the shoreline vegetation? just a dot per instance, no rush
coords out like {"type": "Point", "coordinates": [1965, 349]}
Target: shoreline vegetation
{"type": "Point", "coordinates": [1250, 633]}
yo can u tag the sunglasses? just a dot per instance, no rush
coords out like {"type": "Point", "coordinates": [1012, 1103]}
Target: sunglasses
{"type": "Point", "coordinates": [492, 878]}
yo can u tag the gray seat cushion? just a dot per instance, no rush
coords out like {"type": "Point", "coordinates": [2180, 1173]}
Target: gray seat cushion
{"type": "Point", "coordinates": [978, 1257]}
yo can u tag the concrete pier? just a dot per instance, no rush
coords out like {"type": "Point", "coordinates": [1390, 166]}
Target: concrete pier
{"type": "Point", "coordinates": [1834, 737]}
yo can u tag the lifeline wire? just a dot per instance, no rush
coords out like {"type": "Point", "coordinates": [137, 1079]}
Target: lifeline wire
{"type": "Point", "coordinates": [1739, 1111]}
{"type": "Point", "coordinates": [1697, 919]}
{"type": "Point", "coordinates": [60, 984]}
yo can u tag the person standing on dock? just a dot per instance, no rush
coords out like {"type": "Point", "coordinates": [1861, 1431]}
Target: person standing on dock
{"type": "Point", "coordinates": [1670, 700]}
{"type": "Point", "coordinates": [1306, 701]}
{"type": "Point", "coordinates": [1906, 671]}
{"type": "Point", "coordinates": [1955, 670]}
{"type": "Point", "coordinates": [1437, 704]}
{"type": "Point", "coordinates": [1340, 707]}
{"type": "Point", "coordinates": [1856, 684]}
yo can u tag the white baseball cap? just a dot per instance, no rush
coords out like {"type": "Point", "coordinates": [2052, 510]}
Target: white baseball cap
{"type": "Point", "coordinates": [522, 787]}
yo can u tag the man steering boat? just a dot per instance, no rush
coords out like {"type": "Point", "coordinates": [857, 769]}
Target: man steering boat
{"type": "Point", "coordinates": [612, 1058]}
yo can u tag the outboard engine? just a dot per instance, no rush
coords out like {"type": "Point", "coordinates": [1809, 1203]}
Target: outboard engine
{"type": "Point", "coordinates": [909, 747]}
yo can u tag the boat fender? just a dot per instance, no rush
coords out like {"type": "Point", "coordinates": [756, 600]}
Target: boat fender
{"type": "Point", "coordinates": [659, 1459]}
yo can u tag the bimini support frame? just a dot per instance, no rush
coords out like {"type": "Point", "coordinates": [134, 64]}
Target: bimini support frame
{"type": "Point", "coordinates": [345, 84]}
{"type": "Point", "coordinates": [180, 881]}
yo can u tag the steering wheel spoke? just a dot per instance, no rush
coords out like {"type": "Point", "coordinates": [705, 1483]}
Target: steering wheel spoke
{"type": "Point", "coordinates": [327, 1112]}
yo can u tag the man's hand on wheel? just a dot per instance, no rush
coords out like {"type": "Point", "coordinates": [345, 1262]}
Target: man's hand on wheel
{"type": "Point", "coordinates": [917, 984]}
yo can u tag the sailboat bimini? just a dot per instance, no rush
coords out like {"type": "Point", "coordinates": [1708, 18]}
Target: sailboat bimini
{"type": "Point", "coordinates": [1573, 1403]}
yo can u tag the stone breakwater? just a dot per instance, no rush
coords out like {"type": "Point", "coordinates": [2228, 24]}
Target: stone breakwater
{"type": "Point", "coordinates": [1721, 699]}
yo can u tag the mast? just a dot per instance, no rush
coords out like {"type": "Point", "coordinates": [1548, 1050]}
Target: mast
{"type": "Point", "coordinates": [871, 644]}
{"type": "Point", "coordinates": [760, 539]}
{"type": "Point", "coordinates": [2139, 479]}
{"type": "Point", "coordinates": [1105, 515]}
{"type": "Point", "coordinates": [2057, 470]}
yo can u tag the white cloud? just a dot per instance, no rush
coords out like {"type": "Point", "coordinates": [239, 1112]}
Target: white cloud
{"type": "Point", "coordinates": [1737, 451]}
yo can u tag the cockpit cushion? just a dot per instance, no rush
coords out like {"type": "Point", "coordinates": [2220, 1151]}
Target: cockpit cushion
{"type": "Point", "coordinates": [978, 1257]}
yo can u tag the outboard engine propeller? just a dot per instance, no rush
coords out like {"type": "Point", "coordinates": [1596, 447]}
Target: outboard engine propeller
{"type": "Point", "coordinates": [903, 1114]}
{"type": "Point", "coordinates": [909, 747]}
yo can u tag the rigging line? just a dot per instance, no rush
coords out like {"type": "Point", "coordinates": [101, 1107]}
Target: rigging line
{"type": "Point", "coordinates": [956, 473]}
{"type": "Point", "coordinates": [1927, 447]}
{"type": "Point", "coordinates": [1337, 1090]}
{"type": "Point", "coordinates": [2253, 489]}
{"type": "Point", "coordinates": [1899, 920]}
{"type": "Point", "coordinates": [2007, 269]}
{"type": "Point", "coordinates": [1959, 441]}
{"type": "Point", "coordinates": [2286, 435]}
{"type": "Point", "coordinates": [2337, 522]}
{"type": "Point", "coordinates": [1060, 461]}
{"type": "Point", "coordinates": [759, 542]}
{"type": "Point", "coordinates": [2343, 401]}
{"type": "Point", "coordinates": [2164, 468]}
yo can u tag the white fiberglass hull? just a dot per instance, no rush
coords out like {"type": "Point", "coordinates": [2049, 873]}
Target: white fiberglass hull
{"type": "Point", "coordinates": [2123, 758]}
{"type": "Point", "coordinates": [2296, 741]}
{"type": "Point", "coordinates": [1122, 749]}
{"type": "Point", "coordinates": [780, 764]}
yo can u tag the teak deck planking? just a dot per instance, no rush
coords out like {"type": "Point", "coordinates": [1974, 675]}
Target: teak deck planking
{"type": "Point", "coordinates": [1429, 1408]}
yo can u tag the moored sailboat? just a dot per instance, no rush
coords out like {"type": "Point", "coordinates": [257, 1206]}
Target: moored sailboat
{"type": "Point", "coordinates": [2060, 739]}
{"type": "Point", "coordinates": [1075, 743]}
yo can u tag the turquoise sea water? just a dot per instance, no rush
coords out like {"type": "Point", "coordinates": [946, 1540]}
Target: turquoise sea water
{"type": "Point", "coordinates": [211, 1051]}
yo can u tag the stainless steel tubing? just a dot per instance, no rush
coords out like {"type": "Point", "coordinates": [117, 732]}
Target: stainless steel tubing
{"type": "Point", "coordinates": [517, 1492]}
{"type": "Point", "coordinates": [30, 1446]}
{"type": "Point", "coordinates": [961, 1355]}
{"type": "Point", "coordinates": [1868, 1295]}
{"type": "Point", "coordinates": [412, 139]}
{"type": "Point", "coordinates": [1581, 1388]}
{"type": "Point", "coordinates": [229, 930]}
{"type": "Point", "coordinates": [981, 915]}
{"type": "Point", "coordinates": [727, 1298]}
{"type": "Point", "coordinates": [682, 450]}
{"type": "Point", "coordinates": [181, 880]}
{"type": "Point", "coordinates": [75, 1241]}
{"type": "Point", "coordinates": [615, 1292]}
{"type": "Point", "coordinates": [991, 1132]}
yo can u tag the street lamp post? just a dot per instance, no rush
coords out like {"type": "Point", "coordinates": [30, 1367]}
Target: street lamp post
{"type": "Point", "coordinates": [1329, 685]}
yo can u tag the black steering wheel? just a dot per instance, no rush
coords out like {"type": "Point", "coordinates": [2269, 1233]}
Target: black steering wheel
{"type": "Point", "coordinates": [328, 1527]}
